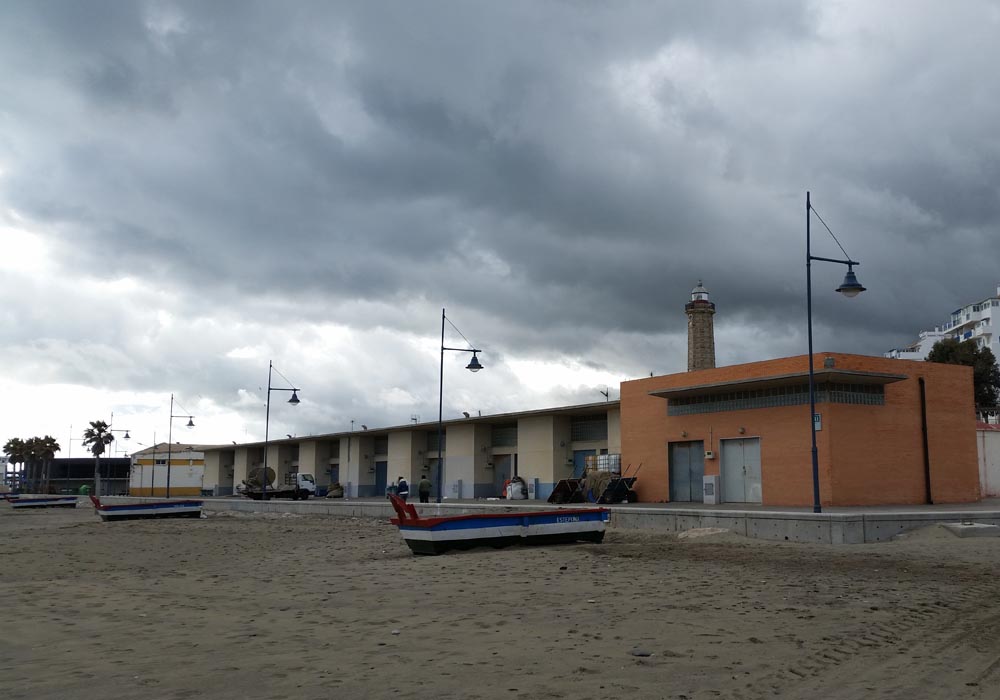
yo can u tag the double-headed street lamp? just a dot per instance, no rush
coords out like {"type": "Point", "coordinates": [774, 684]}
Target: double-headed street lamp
{"type": "Point", "coordinates": [126, 436]}
{"type": "Point", "coordinates": [170, 436]}
{"type": "Point", "coordinates": [473, 366]}
{"type": "Point", "coordinates": [142, 471]}
{"type": "Point", "coordinates": [267, 417]}
{"type": "Point", "coordinates": [112, 429]}
{"type": "Point", "coordinates": [114, 447]}
{"type": "Point", "coordinates": [850, 287]}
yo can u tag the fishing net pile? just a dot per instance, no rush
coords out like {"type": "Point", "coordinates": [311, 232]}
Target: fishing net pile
{"type": "Point", "coordinates": [597, 482]}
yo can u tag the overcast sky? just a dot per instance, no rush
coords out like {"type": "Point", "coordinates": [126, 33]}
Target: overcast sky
{"type": "Point", "coordinates": [191, 189]}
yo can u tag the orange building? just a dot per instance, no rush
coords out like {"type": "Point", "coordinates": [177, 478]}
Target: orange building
{"type": "Point", "coordinates": [888, 432]}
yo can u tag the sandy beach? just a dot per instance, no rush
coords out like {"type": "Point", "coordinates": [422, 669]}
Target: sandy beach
{"type": "Point", "coordinates": [283, 606]}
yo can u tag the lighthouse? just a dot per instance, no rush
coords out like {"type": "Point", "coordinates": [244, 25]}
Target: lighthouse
{"type": "Point", "coordinates": [701, 330]}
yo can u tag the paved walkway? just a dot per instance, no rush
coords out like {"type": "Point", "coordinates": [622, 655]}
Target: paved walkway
{"type": "Point", "coordinates": [989, 504]}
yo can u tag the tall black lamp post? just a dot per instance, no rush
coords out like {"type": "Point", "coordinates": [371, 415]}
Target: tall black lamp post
{"type": "Point", "coordinates": [170, 438]}
{"type": "Point", "coordinates": [126, 436]}
{"type": "Point", "coordinates": [267, 417]}
{"type": "Point", "coordinates": [473, 366]}
{"type": "Point", "coordinates": [113, 450]}
{"type": "Point", "coordinates": [850, 287]}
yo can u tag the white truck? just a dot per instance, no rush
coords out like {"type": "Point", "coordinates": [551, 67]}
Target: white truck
{"type": "Point", "coordinates": [295, 485]}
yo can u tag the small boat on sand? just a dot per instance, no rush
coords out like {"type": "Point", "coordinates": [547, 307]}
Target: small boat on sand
{"type": "Point", "coordinates": [25, 502]}
{"type": "Point", "coordinates": [144, 511]}
{"type": "Point", "coordinates": [440, 534]}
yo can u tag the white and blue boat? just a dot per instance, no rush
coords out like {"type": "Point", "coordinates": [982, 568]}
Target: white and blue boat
{"type": "Point", "coordinates": [147, 511]}
{"type": "Point", "coordinates": [441, 534]}
{"type": "Point", "coordinates": [26, 502]}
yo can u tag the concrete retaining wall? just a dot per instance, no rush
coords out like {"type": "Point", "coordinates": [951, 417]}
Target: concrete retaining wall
{"type": "Point", "coordinates": [825, 528]}
{"type": "Point", "coordinates": [765, 525]}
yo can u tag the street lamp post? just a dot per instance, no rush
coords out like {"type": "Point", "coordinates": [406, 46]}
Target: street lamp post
{"type": "Point", "coordinates": [134, 461]}
{"type": "Point", "coordinates": [850, 287]}
{"type": "Point", "coordinates": [115, 448]}
{"type": "Point", "coordinates": [124, 437]}
{"type": "Point", "coordinates": [170, 436]}
{"type": "Point", "coordinates": [152, 469]}
{"type": "Point", "coordinates": [112, 429]}
{"type": "Point", "coordinates": [267, 418]}
{"type": "Point", "coordinates": [473, 366]}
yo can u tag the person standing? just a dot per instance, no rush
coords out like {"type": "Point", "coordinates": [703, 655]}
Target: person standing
{"type": "Point", "coordinates": [424, 489]}
{"type": "Point", "coordinates": [402, 489]}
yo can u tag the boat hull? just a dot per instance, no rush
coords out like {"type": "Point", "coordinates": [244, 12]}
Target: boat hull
{"type": "Point", "coordinates": [24, 503]}
{"type": "Point", "coordinates": [149, 511]}
{"type": "Point", "coordinates": [439, 535]}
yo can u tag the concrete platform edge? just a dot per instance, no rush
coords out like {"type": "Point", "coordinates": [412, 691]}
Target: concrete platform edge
{"type": "Point", "coordinates": [775, 525]}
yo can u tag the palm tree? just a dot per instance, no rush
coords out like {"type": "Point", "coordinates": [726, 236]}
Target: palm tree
{"type": "Point", "coordinates": [14, 450]}
{"type": "Point", "coordinates": [98, 436]}
{"type": "Point", "coordinates": [32, 462]}
{"type": "Point", "coordinates": [47, 448]}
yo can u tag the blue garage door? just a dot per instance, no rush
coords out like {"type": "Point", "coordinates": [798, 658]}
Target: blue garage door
{"type": "Point", "coordinates": [580, 461]}
{"type": "Point", "coordinates": [502, 470]}
{"type": "Point", "coordinates": [381, 478]}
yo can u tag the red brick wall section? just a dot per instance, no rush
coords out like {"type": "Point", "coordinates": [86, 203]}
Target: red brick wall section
{"type": "Point", "coordinates": [952, 442]}
{"type": "Point", "coordinates": [867, 454]}
{"type": "Point", "coordinates": [643, 433]}
{"type": "Point", "coordinates": [878, 454]}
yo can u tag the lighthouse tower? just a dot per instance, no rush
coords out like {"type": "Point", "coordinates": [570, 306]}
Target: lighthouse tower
{"type": "Point", "coordinates": [701, 330]}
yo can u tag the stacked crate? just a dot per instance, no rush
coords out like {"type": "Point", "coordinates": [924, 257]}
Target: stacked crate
{"type": "Point", "coordinates": [605, 463]}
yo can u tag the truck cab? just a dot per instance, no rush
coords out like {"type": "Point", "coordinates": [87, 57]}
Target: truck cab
{"type": "Point", "coordinates": [304, 485]}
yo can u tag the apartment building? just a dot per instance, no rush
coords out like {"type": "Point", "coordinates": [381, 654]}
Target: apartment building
{"type": "Point", "coordinates": [975, 321]}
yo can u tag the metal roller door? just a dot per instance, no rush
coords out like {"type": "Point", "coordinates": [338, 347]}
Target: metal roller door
{"type": "Point", "coordinates": [687, 471]}
{"type": "Point", "coordinates": [740, 470]}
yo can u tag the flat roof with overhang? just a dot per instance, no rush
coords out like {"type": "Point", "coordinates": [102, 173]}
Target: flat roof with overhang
{"type": "Point", "coordinates": [822, 376]}
{"type": "Point", "coordinates": [492, 419]}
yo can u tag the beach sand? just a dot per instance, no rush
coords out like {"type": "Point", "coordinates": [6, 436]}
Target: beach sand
{"type": "Point", "coordinates": [282, 606]}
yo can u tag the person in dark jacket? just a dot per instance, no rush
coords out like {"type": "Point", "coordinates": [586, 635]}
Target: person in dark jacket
{"type": "Point", "coordinates": [402, 489]}
{"type": "Point", "coordinates": [424, 489]}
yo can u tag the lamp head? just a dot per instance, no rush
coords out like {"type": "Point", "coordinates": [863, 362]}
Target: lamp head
{"type": "Point", "coordinates": [474, 365]}
{"type": "Point", "coordinates": [190, 423]}
{"type": "Point", "coordinates": [127, 436]}
{"type": "Point", "coordinates": [850, 287]}
{"type": "Point", "coordinates": [295, 398]}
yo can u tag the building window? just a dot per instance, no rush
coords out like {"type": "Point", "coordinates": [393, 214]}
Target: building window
{"type": "Point", "coordinates": [382, 445]}
{"type": "Point", "coordinates": [589, 428]}
{"type": "Point", "coordinates": [504, 435]}
{"type": "Point", "coordinates": [432, 441]}
{"type": "Point", "coordinates": [772, 397]}
{"type": "Point", "coordinates": [161, 461]}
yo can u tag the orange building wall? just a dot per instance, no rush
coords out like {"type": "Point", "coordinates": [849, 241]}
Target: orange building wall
{"type": "Point", "coordinates": [867, 454]}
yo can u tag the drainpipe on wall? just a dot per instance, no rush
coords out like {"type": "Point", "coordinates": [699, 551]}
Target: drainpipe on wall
{"type": "Point", "coordinates": [923, 430]}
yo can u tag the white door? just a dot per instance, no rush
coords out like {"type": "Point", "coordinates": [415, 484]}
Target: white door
{"type": "Point", "coordinates": [740, 470]}
{"type": "Point", "coordinates": [751, 460]}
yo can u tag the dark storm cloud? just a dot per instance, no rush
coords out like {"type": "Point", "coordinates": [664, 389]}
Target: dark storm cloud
{"type": "Point", "coordinates": [288, 176]}
{"type": "Point", "coordinates": [565, 172]}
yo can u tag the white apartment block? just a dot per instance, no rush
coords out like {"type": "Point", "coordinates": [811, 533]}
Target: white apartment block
{"type": "Point", "coordinates": [971, 322]}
